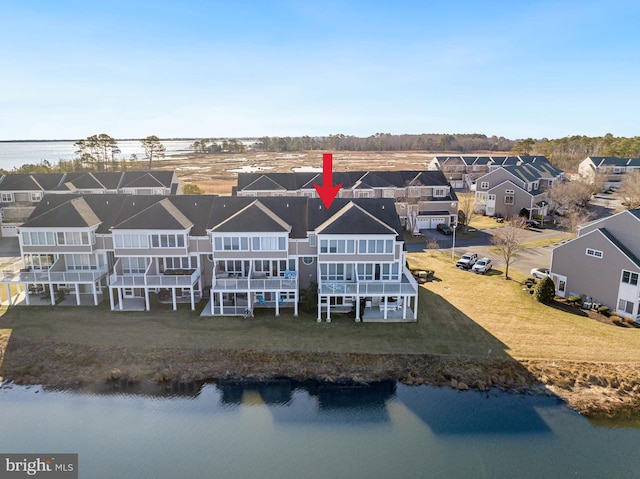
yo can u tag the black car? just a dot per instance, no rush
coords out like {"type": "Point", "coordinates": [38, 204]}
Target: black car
{"type": "Point", "coordinates": [444, 229]}
{"type": "Point", "coordinates": [532, 224]}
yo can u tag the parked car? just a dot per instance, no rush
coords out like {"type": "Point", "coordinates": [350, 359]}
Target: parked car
{"type": "Point", "coordinates": [467, 260]}
{"type": "Point", "coordinates": [532, 224]}
{"type": "Point", "coordinates": [445, 229]}
{"type": "Point", "coordinates": [539, 273]}
{"type": "Point", "coordinates": [482, 266]}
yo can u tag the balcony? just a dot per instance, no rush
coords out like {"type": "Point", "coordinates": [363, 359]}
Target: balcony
{"type": "Point", "coordinates": [170, 278]}
{"type": "Point", "coordinates": [256, 282]}
{"type": "Point", "coordinates": [49, 276]}
{"type": "Point", "coordinates": [407, 286]}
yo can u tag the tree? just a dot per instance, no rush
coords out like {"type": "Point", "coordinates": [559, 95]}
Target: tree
{"type": "Point", "coordinates": [574, 217]}
{"type": "Point", "coordinates": [630, 190]}
{"type": "Point", "coordinates": [507, 241]}
{"type": "Point", "coordinates": [97, 150]}
{"type": "Point", "coordinates": [153, 148]}
{"type": "Point", "coordinates": [466, 209]}
{"type": "Point", "coordinates": [523, 147]}
{"type": "Point", "coordinates": [192, 189]}
{"type": "Point", "coordinates": [545, 290]}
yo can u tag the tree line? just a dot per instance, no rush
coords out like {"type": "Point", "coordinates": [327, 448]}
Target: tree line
{"type": "Point", "coordinates": [567, 153]}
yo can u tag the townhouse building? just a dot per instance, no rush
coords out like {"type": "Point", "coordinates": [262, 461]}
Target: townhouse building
{"type": "Point", "coordinates": [508, 190]}
{"type": "Point", "coordinates": [612, 169]}
{"type": "Point", "coordinates": [235, 253]}
{"type": "Point", "coordinates": [20, 193]}
{"type": "Point", "coordinates": [602, 264]}
{"type": "Point", "coordinates": [423, 199]}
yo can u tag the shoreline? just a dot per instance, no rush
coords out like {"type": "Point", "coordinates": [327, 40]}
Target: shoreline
{"type": "Point", "coordinates": [592, 389]}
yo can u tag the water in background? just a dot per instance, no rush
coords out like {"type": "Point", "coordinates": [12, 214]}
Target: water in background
{"type": "Point", "coordinates": [311, 430]}
{"type": "Point", "coordinates": [15, 154]}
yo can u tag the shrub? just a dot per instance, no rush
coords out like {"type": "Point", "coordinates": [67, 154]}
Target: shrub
{"type": "Point", "coordinates": [545, 290]}
{"type": "Point", "coordinates": [309, 298]}
{"type": "Point", "coordinates": [573, 299]}
{"type": "Point", "coordinates": [604, 310]}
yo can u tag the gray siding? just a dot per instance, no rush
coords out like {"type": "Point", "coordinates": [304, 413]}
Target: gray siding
{"type": "Point", "coordinates": [624, 226]}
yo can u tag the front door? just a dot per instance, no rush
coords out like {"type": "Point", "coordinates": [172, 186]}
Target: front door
{"type": "Point", "coordinates": [561, 284]}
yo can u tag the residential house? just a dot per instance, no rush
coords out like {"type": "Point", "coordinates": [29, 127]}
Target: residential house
{"type": "Point", "coordinates": [612, 169]}
{"type": "Point", "coordinates": [602, 264]}
{"type": "Point", "coordinates": [423, 199]}
{"type": "Point", "coordinates": [463, 171]}
{"type": "Point", "coordinates": [241, 252]}
{"type": "Point", "coordinates": [21, 192]}
{"type": "Point", "coordinates": [508, 190]}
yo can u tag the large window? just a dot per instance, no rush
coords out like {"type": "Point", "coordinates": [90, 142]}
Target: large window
{"type": "Point", "coordinates": [630, 278]}
{"type": "Point", "coordinates": [626, 306]}
{"type": "Point", "coordinates": [337, 246]}
{"type": "Point", "coordinates": [336, 272]}
{"type": "Point", "coordinates": [39, 238]}
{"type": "Point", "coordinates": [135, 265]}
{"type": "Point", "coordinates": [167, 241]}
{"type": "Point", "coordinates": [131, 240]}
{"type": "Point", "coordinates": [269, 243]}
{"type": "Point", "coordinates": [81, 261]}
{"type": "Point", "coordinates": [73, 238]}
{"type": "Point", "coordinates": [179, 262]}
{"type": "Point", "coordinates": [375, 246]}
{"type": "Point", "coordinates": [231, 243]}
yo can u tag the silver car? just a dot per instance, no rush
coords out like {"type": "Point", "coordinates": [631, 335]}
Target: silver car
{"type": "Point", "coordinates": [482, 266]}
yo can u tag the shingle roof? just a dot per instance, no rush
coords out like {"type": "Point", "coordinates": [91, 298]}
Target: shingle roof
{"type": "Point", "coordinates": [254, 217]}
{"type": "Point", "coordinates": [74, 213]}
{"type": "Point", "coordinates": [161, 215]}
{"type": "Point", "coordinates": [353, 219]}
{"type": "Point", "coordinates": [622, 247]}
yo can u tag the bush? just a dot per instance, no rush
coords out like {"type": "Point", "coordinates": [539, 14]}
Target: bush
{"type": "Point", "coordinates": [604, 310]}
{"type": "Point", "coordinates": [545, 290]}
{"type": "Point", "coordinates": [309, 298]}
{"type": "Point", "coordinates": [574, 299]}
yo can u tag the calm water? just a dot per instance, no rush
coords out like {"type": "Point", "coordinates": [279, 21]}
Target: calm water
{"type": "Point", "coordinates": [308, 431]}
{"type": "Point", "coordinates": [14, 154]}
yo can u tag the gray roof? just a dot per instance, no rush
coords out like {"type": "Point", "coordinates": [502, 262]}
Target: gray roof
{"type": "Point", "coordinates": [622, 247]}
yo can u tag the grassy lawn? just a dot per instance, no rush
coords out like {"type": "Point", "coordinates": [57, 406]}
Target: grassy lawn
{"type": "Point", "coordinates": [460, 314]}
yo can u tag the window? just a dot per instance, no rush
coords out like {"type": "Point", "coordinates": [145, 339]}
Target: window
{"type": "Point", "coordinates": [509, 199]}
{"type": "Point", "coordinates": [39, 238]}
{"type": "Point", "coordinates": [133, 265]}
{"type": "Point", "coordinates": [336, 272]}
{"type": "Point", "coordinates": [375, 246]}
{"type": "Point", "coordinates": [337, 246]}
{"type": "Point", "coordinates": [626, 306]}
{"type": "Point", "coordinates": [80, 261]}
{"type": "Point", "coordinates": [269, 243]}
{"type": "Point", "coordinates": [312, 240]}
{"type": "Point", "coordinates": [594, 252]}
{"type": "Point", "coordinates": [508, 192]}
{"type": "Point", "coordinates": [6, 197]}
{"type": "Point", "coordinates": [630, 278]}
{"type": "Point", "coordinates": [308, 260]}
{"type": "Point", "coordinates": [34, 197]}
{"type": "Point", "coordinates": [167, 241]}
{"type": "Point", "coordinates": [414, 192]}
{"type": "Point", "coordinates": [491, 197]}
{"type": "Point", "coordinates": [231, 243]}
{"type": "Point", "coordinates": [484, 185]}
{"type": "Point", "coordinates": [178, 262]}
{"type": "Point", "coordinates": [388, 193]}
{"type": "Point", "coordinates": [131, 240]}
{"type": "Point", "coordinates": [73, 238]}
{"type": "Point", "coordinates": [439, 192]}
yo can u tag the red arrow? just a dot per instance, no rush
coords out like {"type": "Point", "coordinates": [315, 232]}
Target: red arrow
{"type": "Point", "coordinates": [327, 191]}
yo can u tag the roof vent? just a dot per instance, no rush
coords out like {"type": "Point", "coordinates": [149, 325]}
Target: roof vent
{"type": "Point", "coordinates": [382, 206]}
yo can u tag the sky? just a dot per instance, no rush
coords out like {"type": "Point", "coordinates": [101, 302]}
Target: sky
{"type": "Point", "coordinates": [194, 69]}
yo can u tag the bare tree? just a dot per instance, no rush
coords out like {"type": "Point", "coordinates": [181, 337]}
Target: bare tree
{"type": "Point", "coordinates": [574, 217]}
{"type": "Point", "coordinates": [630, 190]}
{"type": "Point", "coordinates": [466, 209]}
{"type": "Point", "coordinates": [567, 194]}
{"type": "Point", "coordinates": [507, 241]}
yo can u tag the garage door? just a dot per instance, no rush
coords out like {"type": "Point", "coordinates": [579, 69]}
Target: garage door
{"type": "Point", "coordinates": [423, 223]}
{"type": "Point", "coordinates": [436, 221]}
{"type": "Point", "coordinates": [9, 231]}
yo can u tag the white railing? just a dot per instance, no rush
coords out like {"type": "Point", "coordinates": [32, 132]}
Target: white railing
{"type": "Point", "coordinates": [253, 284]}
{"type": "Point", "coordinates": [370, 288]}
{"type": "Point", "coordinates": [155, 280]}
{"type": "Point", "coordinates": [51, 276]}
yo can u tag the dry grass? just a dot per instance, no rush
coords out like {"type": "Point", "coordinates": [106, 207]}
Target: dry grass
{"type": "Point", "coordinates": [529, 330]}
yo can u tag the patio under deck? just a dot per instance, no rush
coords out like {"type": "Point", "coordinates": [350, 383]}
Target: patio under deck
{"type": "Point", "coordinates": [376, 315]}
{"type": "Point", "coordinates": [86, 299]}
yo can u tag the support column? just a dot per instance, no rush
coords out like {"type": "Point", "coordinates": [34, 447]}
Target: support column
{"type": "Point", "coordinates": [295, 303]}
{"type": "Point", "coordinates": [120, 298]}
{"type": "Point", "coordinates": [51, 295]}
{"type": "Point", "coordinates": [357, 309]}
{"type": "Point", "coordinates": [173, 297]}
{"type": "Point", "coordinates": [147, 305]}
{"type": "Point", "coordinates": [415, 307]}
{"type": "Point", "coordinates": [95, 294]}
{"type": "Point", "coordinates": [111, 298]}
{"type": "Point", "coordinates": [78, 294]}
{"type": "Point", "coordinates": [193, 300]}
{"type": "Point", "coordinates": [385, 308]}
{"type": "Point", "coordinates": [277, 303]}
{"type": "Point", "coordinates": [405, 299]}
{"type": "Point", "coordinates": [26, 293]}
{"type": "Point", "coordinates": [319, 308]}
{"type": "Point", "coordinates": [328, 309]}
{"type": "Point", "coordinates": [221, 306]}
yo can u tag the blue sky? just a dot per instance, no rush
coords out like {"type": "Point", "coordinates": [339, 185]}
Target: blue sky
{"type": "Point", "coordinates": [130, 69]}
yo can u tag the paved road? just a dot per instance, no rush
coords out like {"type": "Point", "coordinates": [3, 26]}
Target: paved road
{"type": "Point", "coordinates": [480, 241]}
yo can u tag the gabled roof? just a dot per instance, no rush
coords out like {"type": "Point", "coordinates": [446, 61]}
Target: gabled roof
{"type": "Point", "coordinates": [353, 219]}
{"type": "Point", "coordinates": [161, 215]}
{"type": "Point", "coordinates": [20, 182]}
{"type": "Point", "coordinates": [620, 246]}
{"type": "Point", "coordinates": [74, 213]}
{"type": "Point", "coordinates": [146, 179]}
{"type": "Point", "coordinates": [80, 181]}
{"type": "Point", "coordinates": [264, 183]}
{"type": "Point", "coordinates": [254, 217]}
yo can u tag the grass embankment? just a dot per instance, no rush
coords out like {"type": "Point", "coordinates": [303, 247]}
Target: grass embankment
{"type": "Point", "coordinates": [472, 331]}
